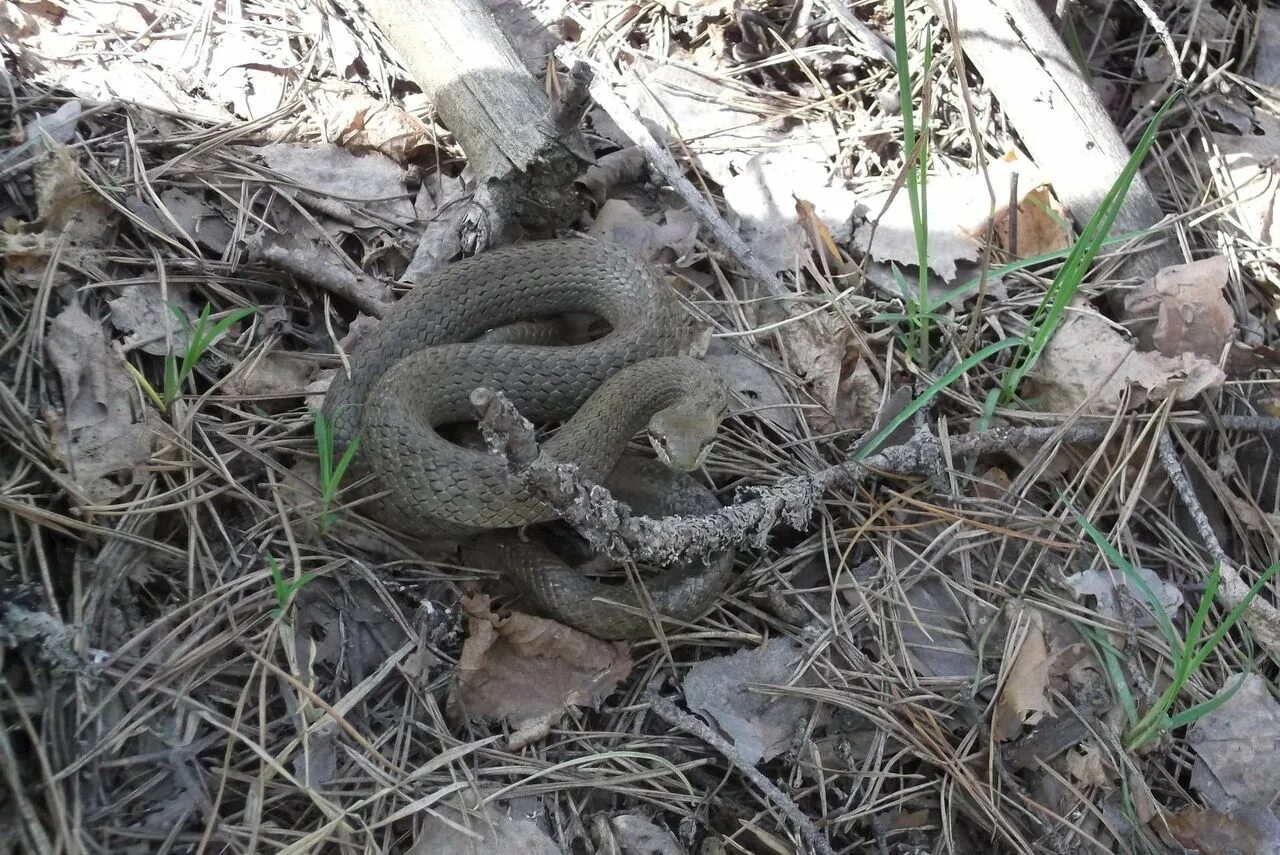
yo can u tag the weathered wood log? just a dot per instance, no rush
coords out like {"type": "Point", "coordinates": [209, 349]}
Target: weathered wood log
{"type": "Point", "coordinates": [1056, 112]}
{"type": "Point", "coordinates": [523, 151]}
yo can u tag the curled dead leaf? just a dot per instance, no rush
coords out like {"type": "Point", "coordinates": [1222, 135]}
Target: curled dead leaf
{"type": "Point", "coordinates": [529, 670]}
{"type": "Point", "coordinates": [1088, 361]}
{"type": "Point", "coordinates": [1182, 310]}
{"type": "Point", "coordinates": [100, 433]}
{"type": "Point", "coordinates": [1024, 700]}
{"type": "Point", "coordinates": [761, 725]}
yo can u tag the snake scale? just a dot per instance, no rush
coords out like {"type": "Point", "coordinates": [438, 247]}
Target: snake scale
{"type": "Point", "coordinates": [415, 374]}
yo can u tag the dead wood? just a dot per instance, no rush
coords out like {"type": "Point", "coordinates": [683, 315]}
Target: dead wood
{"type": "Point", "coordinates": [523, 152]}
{"type": "Point", "coordinates": [1057, 114]}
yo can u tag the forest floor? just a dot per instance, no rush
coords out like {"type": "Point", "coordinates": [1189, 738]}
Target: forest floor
{"type": "Point", "coordinates": [1064, 639]}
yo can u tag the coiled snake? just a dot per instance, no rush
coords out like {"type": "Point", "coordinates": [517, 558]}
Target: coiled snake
{"type": "Point", "coordinates": [416, 373]}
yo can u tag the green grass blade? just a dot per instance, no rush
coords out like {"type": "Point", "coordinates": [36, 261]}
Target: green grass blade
{"type": "Point", "coordinates": [934, 388]}
{"type": "Point", "coordinates": [1049, 314]}
{"type": "Point", "coordinates": [347, 456]}
{"type": "Point", "coordinates": [1023, 263]}
{"type": "Point", "coordinates": [1202, 614]}
{"type": "Point", "coordinates": [230, 320]}
{"type": "Point", "coordinates": [1135, 578]}
{"type": "Point", "coordinates": [1105, 652]}
{"type": "Point", "coordinates": [1234, 615]}
{"type": "Point", "coordinates": [1192, 714]}
{"type": "Point", "coordinates": [277, 577]}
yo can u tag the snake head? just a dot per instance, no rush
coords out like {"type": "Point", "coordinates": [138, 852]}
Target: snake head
{"type": "Point", "coordinates": [683, 434]}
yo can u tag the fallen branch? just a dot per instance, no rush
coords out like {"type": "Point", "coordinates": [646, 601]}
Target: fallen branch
{"type": "Point", "coordinates": [523, 152]}
{"type": "Point", "coordinates": [686, 723]}
{"type": "Point", "coordinates": [611, 528]}
{"type": "Point", "coordinates": [1057, 113]}
{"type": "Point", "coordinates": [661, 162]}
{"type": "Point", "coordinates": [1261, 616]}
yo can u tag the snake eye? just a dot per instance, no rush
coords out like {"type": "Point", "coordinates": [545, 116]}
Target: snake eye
{"type": "Point", "coordinates": [661, 446]}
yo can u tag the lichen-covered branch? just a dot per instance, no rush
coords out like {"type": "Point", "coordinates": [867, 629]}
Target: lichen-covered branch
{"type": "Point", "coordinates": [613, 529]}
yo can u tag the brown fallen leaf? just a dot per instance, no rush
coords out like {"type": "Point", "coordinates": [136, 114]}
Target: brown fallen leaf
{"type": "Point", "coordinates": [1041, 226]}
{"type": "Point", "coordinates": [960, 208]}
{"type": "Point", "coordinates": [185, 217]}
{"type": "Point", "coordinates": [1266, 54]}
{"type": "Point", "coordinates": [760, 725]}
{"type": "Point", "coordinates": [757, 386]}
{"type": "Point", "coordinates": [1236, 747]}
{"type": "Point", "coordinates": [529, 670]}
{"type": "Point", "coordinates": [361, 190]}
{"type": "Point", "coordinates": [469, 823]}
{"type": "Point", "coordinates": [719, 118]}
{"type": "Point", "coordinates": [1024, 700]}
{"type": "Point", "coordinates": [639, 835]}
{"type": "Point", "coordinates": [935, 628]}
{"type": "Point", "coordinates": [73, 221]}
{"type": "Point", "coordinates": [358, 122]}
{"type": "Point", "coordinates": [624, 166]}
{"type": "Point", "coordinates": [1088, 766]}
{"type": "Point", "coordinates": [1255, 831]}
{"type": "Point", "coordinates": [1087, 359]}
{"type": "Point", "coordinates": [1247, 175]}
{"type": "Point", "coordinates": [1103, 586]}
{"type": "Point", "coordinates": [100, 433]}
{"type": "Point", "coordinates": [278, 374]}
{"type": "Point", "coordinates": [1182, 310]}
{"type": "Point", "coordinates": [670, 239]}
{"type": "Point", "coordinates": [764, 197]}
{"type": "Point", "coordinates": [148, 318]}
{"type": "Point", "coordinates": [820, 351]}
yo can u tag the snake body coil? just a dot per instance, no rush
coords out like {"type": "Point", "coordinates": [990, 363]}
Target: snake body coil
{"type": "Point", "coordinates": [419, 367]}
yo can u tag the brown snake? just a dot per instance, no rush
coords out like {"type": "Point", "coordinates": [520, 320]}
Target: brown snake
{"type": "Point", "coordinates": [416, 373]}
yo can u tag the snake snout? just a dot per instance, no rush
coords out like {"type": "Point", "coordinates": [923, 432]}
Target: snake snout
{"type": "Point", "coordinates": [682, 435]}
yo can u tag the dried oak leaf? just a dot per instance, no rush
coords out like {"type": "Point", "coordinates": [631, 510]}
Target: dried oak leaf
{"type": "Point", "coordinates": [529, 670]}
{"type": "Point", "coordinates": [100, 433]}
{"type": "Point", "coordinates": [1182, 310]}
{"type": "Point", "coordinates": [1088, 360]}
{"type": "Point", "coordinates": [361, 190]}
{"type": "Point", "coordinates": [761, 725]}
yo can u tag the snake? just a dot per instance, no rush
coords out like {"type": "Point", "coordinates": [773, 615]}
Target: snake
{"type": "Point", "coordinates": [413, 376]}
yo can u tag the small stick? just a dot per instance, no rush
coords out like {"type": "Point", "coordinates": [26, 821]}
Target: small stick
{"type": "Point", "coordinates": [316, 268]}
{"type": "Point", "coordinates": [686, 723]}
{"type": "Point", "coordinates": [610, 526]}
{"type": "Point", "coordinates": [1262, 617]}
{"type": "Point", "coordinates": [665, 165]}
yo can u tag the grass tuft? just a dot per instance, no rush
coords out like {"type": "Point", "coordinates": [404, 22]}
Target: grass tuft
{"type": "Point", "coordinates": [331, 473]}
{"type": "Point", "coordinates": [1187, 654]}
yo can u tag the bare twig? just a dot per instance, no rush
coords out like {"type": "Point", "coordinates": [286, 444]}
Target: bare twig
{"type": "Point", "coordinates": [612, 528]}
{"type": "Point", "coordinates": [320, 270]}
{"type": "Point", "coordinates": [665, 165]}
{"type": "Point", "coordinates": [872, 42]}
{"type": "Point", "coordinates": [686, 723]}
{"type": "Point", "coordinates": [1262, 617]}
